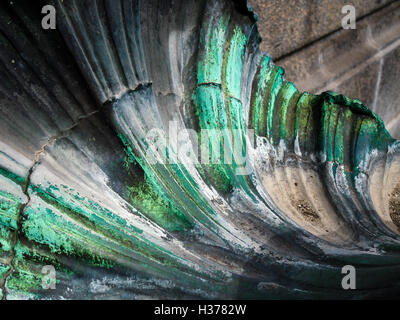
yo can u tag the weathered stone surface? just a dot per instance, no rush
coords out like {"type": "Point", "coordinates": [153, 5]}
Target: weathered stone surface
{"type": "Point", "coordinates": [388, 92]}
{"type": "Point", "coordinates": [361, 84]}
{"type": "Point", "coordinates": [109, 193]}
{"type": "Point", "coordinates": [286, 26]}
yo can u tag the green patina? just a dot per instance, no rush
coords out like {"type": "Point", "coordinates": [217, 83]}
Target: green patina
{"type": "Point", "coordinates": [27, 277]}
{"type": "Point", "coordinates": [210, 106]}
{"type": "Point", "coordinates": [12, 176]}
{"type": "Point", "coordinates": [45, 227]}
{"type": "Point", "coordinates": [234, 64]}
{"type": "Point", "coordinates": [41, 225]}
{"type": "Point", "coordinates": [258, 108]}
{"type": "Point", "coordinates": [210, 66]}
{"type": "Point", "coordinates": [290, 96]}
{"type": "Point", "coordinates": [219, 108]}
{"type": "Point", "coordinates": [9, 209]}
{"type": "Point", "coordinates": [122, 235]}
{"type": "Point", "coordinates": [273, 92]}
{"type": "Point", "coordinates": [153, 205]}
{"type": "Point", "coordinates": [158, 203]}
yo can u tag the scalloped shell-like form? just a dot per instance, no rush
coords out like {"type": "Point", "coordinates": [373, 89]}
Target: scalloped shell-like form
{"type": "Point", "coordinates": [318, 187]}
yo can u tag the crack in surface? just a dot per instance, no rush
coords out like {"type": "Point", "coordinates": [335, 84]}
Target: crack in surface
{"type": "Point", "coordinates": [11, 260]}
{"type": "Point", "coordinates": [140, 86]}
{"type": "Point", "coordinates": [36, 161]}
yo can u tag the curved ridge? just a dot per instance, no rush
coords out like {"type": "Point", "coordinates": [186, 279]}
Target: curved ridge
{"type": "Point", "coordinates": [307, 185]}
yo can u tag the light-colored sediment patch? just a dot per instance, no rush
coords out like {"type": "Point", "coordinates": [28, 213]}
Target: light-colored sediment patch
{"type": "Point", "coordinates": [384, 188]}
{"type": "Point", "coordinates": [300, 195]}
